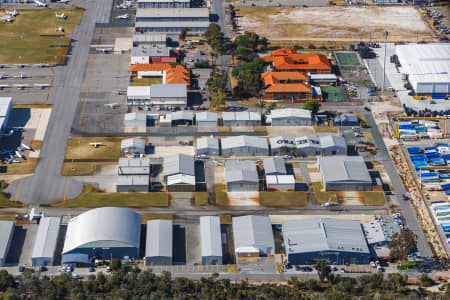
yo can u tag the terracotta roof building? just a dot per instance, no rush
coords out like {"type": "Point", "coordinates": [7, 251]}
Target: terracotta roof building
{"type": "Point", "coordinates": [291, 86]}
{"type": "Point", "coordinates": [290, 60]}
{"type": "Point", "coordinates": [171, 74]}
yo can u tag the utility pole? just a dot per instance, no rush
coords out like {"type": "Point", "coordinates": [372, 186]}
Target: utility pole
{"type": "Point", "coordinates": [384, 64]}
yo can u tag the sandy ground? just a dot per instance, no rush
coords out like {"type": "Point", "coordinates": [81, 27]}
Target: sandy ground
{"type": "Point", "coordinates": [276, 219]}
{"type": "Point", "coordinates": [172, 150]}
{"type": "Point", "coordinates": [335, 23]}
{"type": "Point", "coordinates": [243, 198]}
{"type": "Point", "coordinates": [389, 105]}
{"type": "Point", "coordinates": [290, 131]}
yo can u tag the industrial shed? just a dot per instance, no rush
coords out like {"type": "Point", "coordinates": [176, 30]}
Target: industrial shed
{"type": "Point", "coordinates": [280, 182]}
{"type": "Point", "coordinates": [134, 166]}
{"type": "Point", "coordinates": [178, 164]}
{"type": "Point", "coordinates": [181, 183]}
{"type": "Point", "coordinates": [242, 118]}
{"type": "Point", "coordinates": [244, 145]}
{"type": "Point", "coordinates": [149, 39]}
{"type": "Point", "coordinates": [426, 67]}
{"type": "Point", "coordinates": [307, 146]}
{"type": "Point", "coordinates": [282, 145]}
{"type": "Point", "coordinates": [133, 146]}
{"type": "Point", "coordinates": [6, 106]}
{"type": "Point", "coordinates": [182, 117]}
{"type": "Point", "coordinates": [159, 245]}
{"type": "Point", "coordinates": [206, 118]}
{"type": "Point", "coordinates": [241, 176]}
{"type": "Point", "coordinates": [163, 3]}
{"type": "Point", "coordinates": [253, 236]}
{"type": "Point", "coordinates": [274, 166]}
{"type": "Point", "coordinates": [334, 240]}
{"type": "Point", "coordinates": [208, 146]}
{"type": "Point", "coordinates": [105, 233]}
{"type": "Point", "coordinates": [346, 120]}
{"type": "Point", "coordinates": [211, 240]}
{"type": "Point", "coordinates": [332, 145]}
{"type": "Point", "coordinates": [174, 95]}
{"type": "Point", "coordinates": [45, 242]}
{"type": "Point", "coordinates": [6, 235]}
{"type": "Point", "coordinates": [344, 173]}
{"type": "Point", "coordinates": [136, 183]}
{"type": "Point", "coordinates": [138, 95]}
{"type": "Point", "coordinates": [290, 117]}
{"type": "Point", "coordinates": [380, 231]}
{"type": "Point", "coordinates": [135, 119]}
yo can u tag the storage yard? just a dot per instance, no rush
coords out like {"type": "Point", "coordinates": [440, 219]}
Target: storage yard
{"type": "Point", "coordinates": [347, 24]}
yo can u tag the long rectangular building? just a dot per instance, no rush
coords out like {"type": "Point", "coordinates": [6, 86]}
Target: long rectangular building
{"type": "Point", "coordinates": [6, 235]}
{"type": "Point", "coordinates": [159, 249]}
{"type": "Point", "coordinates": [6, 105]}
{"type": "Point", "coordinates": [46, 240]}
{"type": "Point", "coordinates": [163, 4]}
{"type": "Point", "coordinates": [210, 240]}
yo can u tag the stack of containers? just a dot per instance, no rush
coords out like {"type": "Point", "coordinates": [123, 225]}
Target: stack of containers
{"type": "Point", "coordinates": [441, 212]}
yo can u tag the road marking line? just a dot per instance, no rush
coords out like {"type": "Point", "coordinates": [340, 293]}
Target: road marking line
{"type": "Point", "coordinates": [18, 189]}
{"type": "Point", "coordinates": [87, 92]}
{"type": "Point", "coordinates": [67, 188]}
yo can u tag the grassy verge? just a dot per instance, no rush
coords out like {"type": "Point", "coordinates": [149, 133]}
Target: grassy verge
{"type": "Point", "coordinates": [148, 217]}
{"type": "Point", "coordinates": [283, 199]}
{"type": "Point", "coordinates": [134, 81]}
{"type": "Point", "coordinates": [79, 148]}
{"type": "Point", "coordinates": [36, 144]}
{"type": "Point", "coordinates": [4, 197]}
{"type": "Point", "coordinates": [226, 219]}
{"type": "Point", "coordinates": [26, 167]}
{"type": "Point", "coordinates": [321, 196]}
{"type": "Point", "coordinates": [408, 265]}
{"type": "Point", "coordinates": [82, 168]}
{"type": "Point", "coordinates": [221, 194]}
{"type": "Point", "coordinates": [201, 198]}
{"type": "Point", "coordinates": [320, 129]}
{"type": "Point", "coordinates": [8, 217]}
{"type": "Point", "coordinates": [374, 198]}
{"type": "Point", "coordinates": [91, 197]}
{"type": "Point", "coordinates": [31, 106]}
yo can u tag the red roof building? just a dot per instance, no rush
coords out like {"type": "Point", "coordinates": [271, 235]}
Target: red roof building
{"type": "Point", "coordinates": [289, 60]}
{"type": "Point", "coordinates": [289, 86]}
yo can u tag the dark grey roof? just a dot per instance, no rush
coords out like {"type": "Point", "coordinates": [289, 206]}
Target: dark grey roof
{"type": "Point", "coordinates": [274, 165]}
{"type": "Point", "coordinates": [168, 91]}
{"type": "Point", "coordinates": [324, 234]}
{"type": "Point", "coordinates": [253, 231]}
{"type": "Point", "coordinates": [240, 171]}
{"type": "Point", "coordinates": [343, 168]}
{"type": "Point", "coordinates": [179, 164]}
{"type": "Point", "coordinates": [6, 230]}
{"type": "Point", "coordinates": [211, 240]}
{"type": "Point", "coordinates": [159, 238]}
{"type": "Point", "coordinates": [332, 141]}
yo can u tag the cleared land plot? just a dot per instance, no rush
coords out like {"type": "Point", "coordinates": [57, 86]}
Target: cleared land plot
{"type": "Point", "coordinates": [83, 168]}
{"type": "Point", "coordinates": [91, 197]}
{"type": "Point", "coordinates": [374, 198]}
{"type": "Point", "coordinates": [322, 196]}
{"type": "Point", "coordinates": [347, 59]}
{"type": "Point", "coordinates": [350, 24]}
{"type": "Point", "coordinates": [283, 199]}
{"type": "Point", "coordinates": [201, 198]}
{"type": "Point", "coordinates": [21, 40]}
{"type": "Point", "coordinates": [334, 94]}
{"type": "Point", "coordinates": [79, 148]}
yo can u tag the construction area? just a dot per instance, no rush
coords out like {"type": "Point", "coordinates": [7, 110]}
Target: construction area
{"type": "Point", "coordinates": [345, 24]}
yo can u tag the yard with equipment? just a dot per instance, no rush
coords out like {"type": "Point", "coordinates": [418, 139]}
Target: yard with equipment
{"type": "Point", "coordinates": [33, 38]}
{"type": "Point", "coordinates": [350, 24]}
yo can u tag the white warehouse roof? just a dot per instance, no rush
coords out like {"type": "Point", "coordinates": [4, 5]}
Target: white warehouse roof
{"type": "Point", "coordinates": [253, 232]}
{"type": "Point", "coordinates": [244, 141]}
{"type": "Point", "coordinates": [104, 227]}
{"type": "Point", "coordinates": [208, 143]}
{"type": "Point", "coordinates": [46, 237]}
{"type": "Point", "coordinates": [181, 12]}
{"type": "Point", "coordinates": [138, 92]}
{"type": "Point", "coordinates": [290, 112]}
{"type": "Point", "coordinates": [211, 243]}
{"type": "Point", "coordinates": [159, 238]}
{"type": "Point", "coordinates": [343, 168]}
{"type": "Point", "coordinates": [168, 91]}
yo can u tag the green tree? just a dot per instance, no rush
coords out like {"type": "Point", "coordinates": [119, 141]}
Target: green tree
{"type": "Point", "coordinates": [402, 244]}
{"type": "Point", "coordinates": [115, 264]}
{"type": "Point", "coordinates": [323, 269]}
{"type": "Point", "coordinates": [312, 105]}
{"type": "Point", "coordinates": [218, 99]}
{"type": "Point", "coordinates": [245, 54]}
{"type": "Point", "coordinates": [183, 34]}
{"type": "Point", "coordinates": [425, 280]}
{"type": "Point", "coordinates": [250, 40]}
{"type": "Point", "coordinates": [217, 81]}
{"type": "Point", "coordinates": [215, 38]}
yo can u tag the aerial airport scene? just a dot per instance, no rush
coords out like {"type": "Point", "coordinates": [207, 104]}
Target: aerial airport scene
{"type": "Point", "coordinates": [224, 149]}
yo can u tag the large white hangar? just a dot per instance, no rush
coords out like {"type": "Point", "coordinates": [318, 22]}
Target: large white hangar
{"type": "Point", "coordinates": [105, 233]}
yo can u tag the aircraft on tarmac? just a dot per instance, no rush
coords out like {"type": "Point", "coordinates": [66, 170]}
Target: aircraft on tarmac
{"type": "Point", "coordinates": [40, 4]}
{"type": "Point", "coordinates": [22, 76]}
{"type": "Point", "coordinates": [61, 16]}
{"type": "Point", "coordinates": [123, 17]}
{"type": "Point", "coordinates": [25, 146]}
{"type": "Point", "coordinates": [104, 50]}
{"type": "Point", "coordinates": [12, 13]}
{"type": "Point", "coordinates": [112, 105]}
{"type": "Point", "coordinates": [3, 86]}
{"type": "Point", "coordinates": [21, 65]}
{"type": "Point", "coordinates": [41, 85]}
{"type": "Point", "coordinates": [3, 76]}
{"type": "Point", "coordinates": [42, 65]}
{"type": "Point", "coordinates": [95, 144]}
{"type": "Point", "coordinates": [118, 92]}
{"type": "Point", "coordinates": [63, 1]}
{"type": "Point", "coordinates": [7, 19]}
{"type": "Point", "coordinates": [329, 204]}
{"type": "Point", "coordinates": [59, 29]}
{"type": "Point", "coordinates": [21, 87]}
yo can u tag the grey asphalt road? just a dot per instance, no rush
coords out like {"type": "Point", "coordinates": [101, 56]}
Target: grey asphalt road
{"type": "Point", "coordinates": [47, 184]}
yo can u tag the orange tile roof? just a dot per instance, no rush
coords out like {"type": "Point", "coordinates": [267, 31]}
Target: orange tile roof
{"type": "Point", "coordinates": [150, 67]}
{"type": "Point", "coordinates": [283, 52]}
{"type": "Point", "coordinates": [289, 88]}
{"type": "Point", "coordinates": [174, 73]}
{"type": "Point", "coordinates": [275, 77]}
{"type": "Point", "coordinates": [289, 59]}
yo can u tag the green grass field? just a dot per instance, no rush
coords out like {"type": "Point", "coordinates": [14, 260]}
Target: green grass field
{"type": "Point", "coordinates": [4, 201]}
{"type": "Point", "coordinates": [221, 194]}
{"type": "Point", "coordinates": [22, 41]}
{"type": "Point", "coordinates": [334, 94]}
{"type": "Point", "coordinates": [90, 197]}
{"type": "Point", "coordinates": [79, 148]}
{"type": "Point", "coordinates": [283, 199]}
{"type": "Point", "coordinates": [134, 81]}
{"type": "Point", "coordinates": [82, 168]}
{"type": "Point", "coordinates": [321, 196]}
{"type": "Point", "coordinates": [201, 198]}
{"type": "Point", "coordinates": [374, 198]}
{"type": "Point", "coordinates": [347, 59]}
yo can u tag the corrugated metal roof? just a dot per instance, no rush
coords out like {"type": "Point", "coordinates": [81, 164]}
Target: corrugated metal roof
{"type": "Point", "coordinates": [280, 179]}
{"type": "Point", "coordinates": [244, 141]}
{"type": "Point", "coordinates": [163, 1]}
{"type": "Point", "coordinates": [112, 225]}
{"type": "Point", "coordinates": [240, 170]}
{"type": "Point", "coordinates": [134, 162]}
{"type": "Point", "coordinates": [159, 238]}
{"type": "Point", "coordinates": [281, 141]}
{"type": "Point", "coordinates": [253, 231]}
{"type": "Point", "coordinates": [211, 240]}
{"type": "Point", "coordinates": [206, 116]}
{"type": "Point", "coordinates": [150, 37]}
{"type": "Point", "coordinates": [324, 234]}
{"type": "Point", "coordinates": [241, 116]}
{"type": "Point", "coordinates": [207, 143]}
{"type": "Point", "coordinates": [157, 51]}
{"type": "Point", "coordinates": [176, 12]}
{"type": "Point", "coordinates": [274, 165]}
{"type": "Point", "coordinates": [343, 168]}
{"type": "Point", "coordinates": [181, 179]}
{"type": "Point", "coordinates": [307, 142]}
{"type": "Point", "coordinates": [46, 237]}
{"type": "Point", "coordinates": [179, 164]}
{"type": "Point", "coordinates": [332, 141]}
{"type": "Point", "coordinates": [138, 91]}
{"type": "Point", "coordinates": [168, 91]}
{"type": "Point", "coordinates": [133, 179]}
{"type": "Point", "coordinates": [136, 116]}
{"type": "Point", "coordinates": [133, 143]}
{"type": "Point", "coordinates": [182, 115]}
{"type": "Point", "coordinates": [172, 24]}
{"type": "Point", "coordinates": [290, 112]}
{"type": "Point", "coordinates": [6, 230]}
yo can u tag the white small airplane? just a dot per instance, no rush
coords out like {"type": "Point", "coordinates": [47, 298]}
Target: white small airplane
{"type": "Point", "coordinates": [95, 144]}
{"type": "Point", "coordinates": [7, 19]}
{"type": "Point", "coordinates": [22, 76]}
{"type": "Point", "coordinates": [3, 76]}
{"type": "Point", "coordinates": [118, 92]}
{"type": "Point", "coordinates": [42, 65]}
{"type": "Point", "coordinates": [40, 4]}
{"type": "Point", "coordinates": [123, 17]}
{"type": "Point", "coordinates": [3, 86]}
{"type": "Point", "coordinates": [329, 204]}
{"type": "Point", "coordinates": [21, 87]}
{"type": "Point", "coordinates": [61, 16]}
{"type": "Point", "coordinates": [3, 66]}
{"type": "Point", "coordinates": [12, 13]}
{"type": "Point", "coordinates": [104, 50]}
{"type": "Point", "coordinates": [59, 29]}
{"type": "Point", "coordinates": [63, 1]}
{"type": "Point", "coordinates": [20, 155]}
{"type": "Point", "coordinates": [41, 85]}
{"type": "Point", "coordinates": [112, 105]}
{"type": "Point", "coordinates": [123, 6]}
{"type": "Point", "coordinates": [21, 65]}
{"type": "Point", "coordinates": [25, 146]}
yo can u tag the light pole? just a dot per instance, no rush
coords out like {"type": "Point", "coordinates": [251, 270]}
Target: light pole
{"type": "Point", "coordinates": [384, 64]}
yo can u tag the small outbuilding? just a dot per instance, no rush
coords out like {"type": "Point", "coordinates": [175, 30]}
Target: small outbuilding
{"type": "Point", "coordinates": [136, 183]}
{"type": "Point", "coordinates": [274, 166]}
{"type": "Point", "coordinates": [241, 176]}
{"type": "Point", "coordinates": [208, 146]}
{"type": "Point", "coordinates": [6, 235]}
{"type": "Point", "coordinates": [133, 146]}
{"type": "Point", "coordinates": [45, 243]}
{"type": "Point", "coordinates": [244, 145]}
{"type": "Point", "coordinates": [290, 117]}
{"type": "Point", "coordinates": [211, 240]}
{"type": "Point", "coordinates": [206, 118]}
{"type": "Point", "coordinates": [159, 245]}
{"type": "Point", "coordinates": [134, 166]}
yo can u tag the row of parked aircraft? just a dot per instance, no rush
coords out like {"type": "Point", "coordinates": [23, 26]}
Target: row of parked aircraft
{"type": "Point", "coordinates": [10, 14]}
{"type": "Point", "coordinates": [20, 76]}
{"type": "Point", "coordinates": [22, 86]}
{"type": "Point", "coordinates": [11, 155]}
{"type": "Point", "coordinates": [26, 65]}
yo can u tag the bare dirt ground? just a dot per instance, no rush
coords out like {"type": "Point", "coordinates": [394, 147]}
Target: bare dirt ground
{"type": "Point", "coordinates": [404, 24]}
